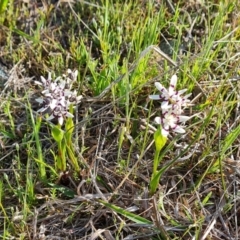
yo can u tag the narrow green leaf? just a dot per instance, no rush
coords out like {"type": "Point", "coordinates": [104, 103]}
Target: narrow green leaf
{"type": "Point", "coordinates": [69, 127]}
{"type": "Point", "coordinates": [131, 216]}
{"type": "Point", "coordinates": [57, 134]}
{"type": "Point", "coordinates": [160, 140]}
{"type": "Point", "coordinates": [3, 5]}
{"type": "Point", "coordinates": [206, 199]}
{"type": "Point", "coordinates": [231, 137]}
{"type": "Point", "coordinates": [23, 34]}
{"type": "Point", "coordinates": [64, 190]}
{"type": "Point", "coordinates": [7, 134]}
{"type": "Point", "coordinates": [154, 181]}
{"type": "Point", "coordinates": [72, 158]}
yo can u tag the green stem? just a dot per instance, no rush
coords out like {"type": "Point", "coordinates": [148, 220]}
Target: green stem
{"type": "Point", "coordinates": [36, 130]}
{"type": "Point", "coordinates": [61, 161]}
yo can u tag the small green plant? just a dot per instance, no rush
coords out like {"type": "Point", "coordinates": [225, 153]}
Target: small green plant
{"type": "Point", "coordinates": [170, 120]}
{"type": "Point", "coordinates": [58, 103]}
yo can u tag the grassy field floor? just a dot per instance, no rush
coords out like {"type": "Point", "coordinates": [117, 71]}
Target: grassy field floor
{"type": "Point", "coordinates": [97, 140]}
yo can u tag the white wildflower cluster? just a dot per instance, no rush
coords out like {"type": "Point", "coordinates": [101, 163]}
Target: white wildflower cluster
{"type": "Point", "coordinates": [171, 107]}
{"type": "Point", "coordinates": [58, 95]}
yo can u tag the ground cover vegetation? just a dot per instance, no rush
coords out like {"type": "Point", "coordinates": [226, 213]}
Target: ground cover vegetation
{"type": "Point", "coordinates": [119, 119]}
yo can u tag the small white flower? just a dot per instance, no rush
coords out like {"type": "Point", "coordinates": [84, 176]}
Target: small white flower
{"type": "Point", "coordinates": [171, 120]}
{"type": "Point", "coordinates": [45, 82]}
{"type": "Point", "coordinates": [53, 104]}
{"type": "Point", "coordinates": [60, 112]}
{"type": "Point", "coordinates": [72, 75]}
{"type": "Point", "coordinates": [171, 95]}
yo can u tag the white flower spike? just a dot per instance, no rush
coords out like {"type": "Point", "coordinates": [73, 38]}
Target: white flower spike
{"type": "Point", "coordinates": [171, 107]}
{"type": "Point", "coordinates": [58, 96]}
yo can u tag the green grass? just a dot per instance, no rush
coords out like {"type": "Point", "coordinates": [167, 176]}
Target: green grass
{"type": "Point", "coordinates": [118, 48]}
